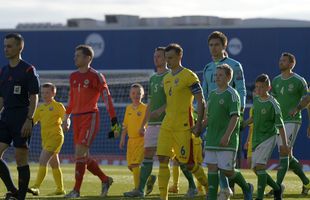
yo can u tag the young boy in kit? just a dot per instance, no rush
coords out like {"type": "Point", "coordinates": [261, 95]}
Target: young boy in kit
{"type": "Point", "coordinates": [133, 118]}
{"type": "Point", "coordinates": [50, 115]}
{"type": "Point", "coordinates": [267, 121]}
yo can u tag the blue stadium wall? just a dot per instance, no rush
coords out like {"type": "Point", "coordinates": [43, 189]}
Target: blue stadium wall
{"type": "Point", "coordinates": [258, 49]}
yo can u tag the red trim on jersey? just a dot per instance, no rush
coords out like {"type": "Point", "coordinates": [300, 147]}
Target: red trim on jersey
{"type": "Point", "coordinates": [191, 160]}
{"type": "Point", "coordinates": [29, 69]}
{"type": "Point", "coordinates": [190, 117]}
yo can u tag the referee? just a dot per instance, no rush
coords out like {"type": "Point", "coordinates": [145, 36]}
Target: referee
{"type": "Point", "coordinates": [19, 88]}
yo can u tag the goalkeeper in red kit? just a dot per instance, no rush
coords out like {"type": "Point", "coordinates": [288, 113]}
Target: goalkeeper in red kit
{"type": "Point", "coordinates": [86, 86]}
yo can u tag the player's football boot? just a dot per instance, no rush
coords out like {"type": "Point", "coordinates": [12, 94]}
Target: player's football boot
{"type": "Point", "coordinates": [225, 194]}
{"type": "Point", "coordinates": [278, 194]}
{"type": "Point", "coordinates": [106, 186]}
{"type": "Point", "coordinates": [305, 189]}
{"type": "Point", "coordinates": [72, 194]}
{"type": "Point", "coordinates": [34, 191]}
{"type": "Point", "coordinates": [150, 184]}
{"type": "Point", "coordinates": [11, 196]}
{"type": "Point", "coordinates": [134, 193]}
{"type": "Point", "coordinates": [191, 193]}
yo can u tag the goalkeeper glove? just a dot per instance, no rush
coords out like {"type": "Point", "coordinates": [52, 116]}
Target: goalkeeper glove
{"type": "Point", "coordinates": [115, 127]}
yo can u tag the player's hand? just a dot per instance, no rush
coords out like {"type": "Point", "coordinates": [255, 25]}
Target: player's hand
{"type": "Point", "coordinates": [155, 114]}
{"type": "Point", "coordinates": [293, 112]}
{"type": "Point", "coordinates": [196, 129]}
{"type": "Point", "coordinates": [27, 128]}
{"type": "Point", "coordinates": [121, 143]}
{"type": "Point", "coordinates": [243, 124]}
{"type": "Point", "coordinates": [66, 125]}
{"type": "Point", "coordinates": [286, 149]}
{"type": "Point", "coordinates": [142, 131]}
{"type": "Point", "coordinates": [245, 146]}
{"type": "Point", "coordinates": [224, 141]}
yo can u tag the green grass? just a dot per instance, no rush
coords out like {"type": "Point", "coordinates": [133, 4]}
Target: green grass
{"type": "Point", "coordinates": [123, 182]}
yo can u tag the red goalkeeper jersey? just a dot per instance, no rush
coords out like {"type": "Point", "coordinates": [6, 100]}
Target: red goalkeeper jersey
{"type": "Point", "coordinates": [85, 90]}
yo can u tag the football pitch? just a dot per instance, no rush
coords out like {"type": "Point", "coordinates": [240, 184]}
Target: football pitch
{"type": "Point", "coordinates": [123, 182]}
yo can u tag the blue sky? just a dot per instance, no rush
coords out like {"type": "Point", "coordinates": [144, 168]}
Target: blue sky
{"type": "Point", "coordinates": [13, 12]}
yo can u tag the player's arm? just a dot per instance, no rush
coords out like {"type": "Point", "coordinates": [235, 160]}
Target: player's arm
{"type": "Point", "coordinates": [33, 103]}
{"type": "Point", "coordinates": [197, 92]}
{"type": "Point", "coordinates": [205, 84]}
{"type": "Point", "coordinates": [279, 124]}
{"type": "Point", "coordinates": [205, 118]}
{"type": "Point", "coordinates": [238, 78]}
{"type": "Point", "coordinates": [107, 99]}
{"type": "Point", "coordinates": [123, 137]}
{"type": "Point", "coordinates": [231, 127]}
{"type": "Point", "coordinates": [156, 113]}
{"type": "Point", "coordinates": [305, 101]}
{"type": "Point", "coordinates": [66, 119]}
{"type": "Point", "coordinates": [284, 139]}
{"type": "Point", "coordinates": [145, 119]}
{"type": "Point", "coordinates": [36, 117]}
{"type": "Point", "coordinates": [33, 90]}
{"type": "Point", "coordinates": [247, 122]}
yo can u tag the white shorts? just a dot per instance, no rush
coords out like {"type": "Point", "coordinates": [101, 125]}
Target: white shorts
{"type": "Point", "coordinates": [291, 130]}
{"type": "Point", "coordinates": [225, 160]}
{"type": "Point", "coordinates": [263, 151]}
{"type": "Point", "coordinates": [151, 136]}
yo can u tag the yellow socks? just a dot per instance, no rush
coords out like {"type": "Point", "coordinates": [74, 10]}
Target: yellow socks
{"type": "Point", "coordinates": [176, 175]}
{"type": "Point", "coordinates": [136, 176]}
{"type": "Point", "coordinates": [163, 179]}
{"type": "Point", "coordinates": [200, 175]}
{"type": "Point", "coordinates": [40, 176]}
{"type": "Point", "coordinates": [58, 178]}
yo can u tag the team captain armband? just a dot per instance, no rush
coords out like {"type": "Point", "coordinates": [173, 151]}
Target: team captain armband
{"type": "Point", "coordinates": [196, 88]}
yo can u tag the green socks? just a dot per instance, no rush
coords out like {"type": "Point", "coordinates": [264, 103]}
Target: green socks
{"type": "Point", "coordinates": [146, 170]}
{"type": "Point", "coordinates": [282, 169]}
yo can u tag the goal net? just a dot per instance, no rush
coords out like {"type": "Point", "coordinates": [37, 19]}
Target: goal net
{"type": "Point", "coordinates": [103, 149]}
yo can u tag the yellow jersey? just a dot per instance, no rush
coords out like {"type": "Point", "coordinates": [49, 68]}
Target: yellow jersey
{"type": "Point", "coordinates": [179, 99]}
{"type": "Point", "coordinates": [50, 117]}
{"type": "Point", "coordinates": [133, 119]}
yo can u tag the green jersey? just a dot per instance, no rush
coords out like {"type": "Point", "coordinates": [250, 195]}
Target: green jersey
{"type": "Point", "coordinates": [288, 93]}
{"type": "Point", "coordinates": [266, 118]}
{"type": "Point", "coordinates": [157, 97]}
{"type": "Point", "coordinates": [221, 107]}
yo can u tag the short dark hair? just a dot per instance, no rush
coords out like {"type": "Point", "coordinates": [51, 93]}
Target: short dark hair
{"type": "Point", "coordinates": [176, 47]}
{"type": "Point", "coordinates": [18, 37]}
{"type": "Point", "coordinates": [50, 85]}
{"type": "Point", "coordinates": [218, 35]}
{"type": "Point", "coordinates": [263, 78]}
{"type": "Point", "coordinates": [86, 50]}
{"type": "Point", "coordinates": [290, 56]}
